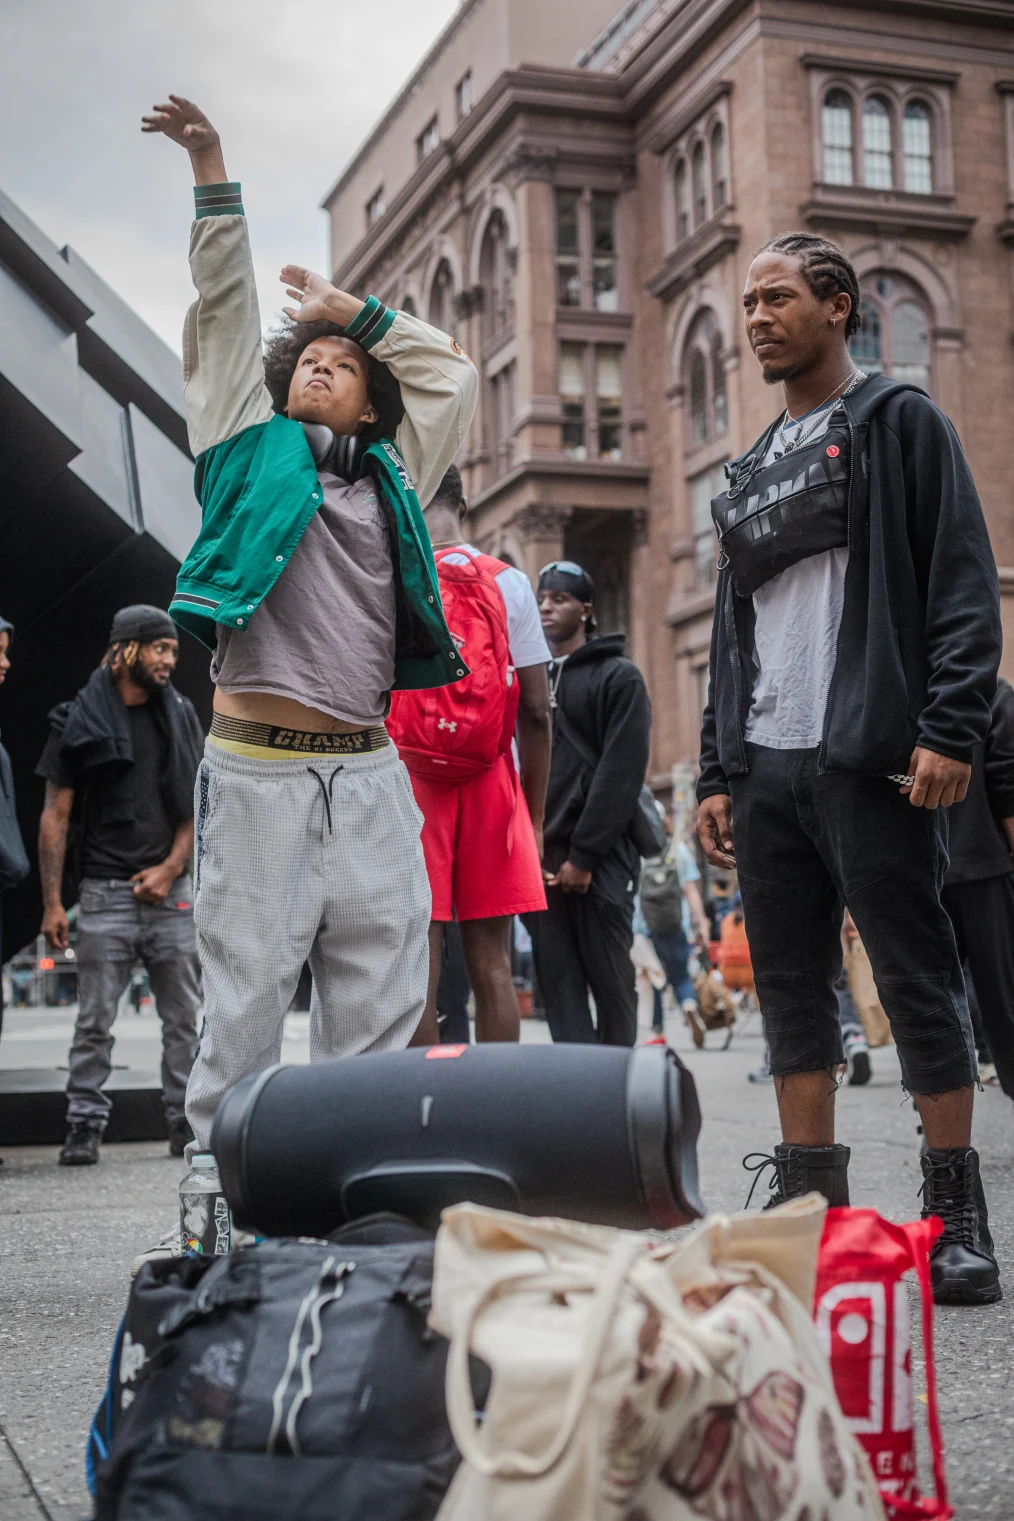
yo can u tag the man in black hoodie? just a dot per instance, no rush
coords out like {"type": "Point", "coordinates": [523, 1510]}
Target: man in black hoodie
{"type": "Point", "coordinates": [854, 655]}
{"type": "Point", "coordinates": [601, 729]}
{"type": "Point", "coordinates": [119, 766]}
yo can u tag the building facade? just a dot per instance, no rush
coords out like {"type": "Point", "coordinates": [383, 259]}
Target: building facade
{"type": "Point", "coordinates": [584, 226]}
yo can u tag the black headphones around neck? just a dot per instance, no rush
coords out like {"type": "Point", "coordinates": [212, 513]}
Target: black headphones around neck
{"type": "Point", "coordinates": [339, 453]}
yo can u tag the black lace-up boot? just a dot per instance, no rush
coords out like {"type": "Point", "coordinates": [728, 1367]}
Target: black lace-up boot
{"type": "Point", "coordinates": [962, 1264]}
{"type": "Point", "coordinates": [82, 1146]}
{"type": "Point", "coordinates": [802, 1170]}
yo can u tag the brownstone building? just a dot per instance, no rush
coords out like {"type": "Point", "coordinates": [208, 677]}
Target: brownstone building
{"type": "Point", "coordinates": [581, 210]}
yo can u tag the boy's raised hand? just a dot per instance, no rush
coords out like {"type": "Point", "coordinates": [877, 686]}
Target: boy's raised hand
{"type": "Point", "coordinates": [186, 124]}
{"type": "Point", "coordinates": [319, 300]}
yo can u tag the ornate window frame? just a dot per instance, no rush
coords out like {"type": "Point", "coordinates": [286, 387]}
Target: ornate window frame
{"type": "Point", "coordinates": [696, 137]}
{"type": "Point", "coordinates": [1005, 90]}
{"type": "Point", "coordinates": [859, 206]}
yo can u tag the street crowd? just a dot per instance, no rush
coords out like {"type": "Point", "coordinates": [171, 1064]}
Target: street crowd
{"type": "Point", "coordinates": [416, 760]}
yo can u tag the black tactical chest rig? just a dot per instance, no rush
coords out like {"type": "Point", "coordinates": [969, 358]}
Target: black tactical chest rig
{"type": "Point", "coordinates": [775, 515]}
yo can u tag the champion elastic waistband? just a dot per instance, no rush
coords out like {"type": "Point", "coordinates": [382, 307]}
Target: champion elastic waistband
{"type": "Point", "coordinates": [243, 735]}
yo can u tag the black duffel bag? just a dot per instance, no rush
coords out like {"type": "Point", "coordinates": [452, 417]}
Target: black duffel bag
{"type": "Point", "coordinates": [597, 1133]}
{"type": "Point", "coordinates": [288, 1381]}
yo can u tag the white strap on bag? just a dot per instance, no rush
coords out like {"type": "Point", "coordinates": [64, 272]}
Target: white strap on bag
{"type": "Point", "coordinates": [460, 1409]}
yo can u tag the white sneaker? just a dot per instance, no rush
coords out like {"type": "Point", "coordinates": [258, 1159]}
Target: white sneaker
{"type": "Point", "coordinates": [857, 1058]}
{"type": "Point", "coordinates": [169, 1245]}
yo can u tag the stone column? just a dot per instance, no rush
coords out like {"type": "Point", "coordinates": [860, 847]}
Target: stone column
{"type": "Point", "coordinates": [540, 530]}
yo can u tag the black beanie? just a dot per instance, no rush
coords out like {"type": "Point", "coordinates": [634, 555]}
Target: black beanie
{"type": "Point", "coordinates": [142, 622]}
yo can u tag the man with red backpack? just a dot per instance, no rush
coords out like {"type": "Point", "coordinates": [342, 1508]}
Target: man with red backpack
{"type": "Point", "coordinates": [482, 824]}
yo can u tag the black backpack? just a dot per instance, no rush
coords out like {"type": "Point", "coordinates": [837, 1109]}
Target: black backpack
{"type": "Point", "coordinates": [293, 1380]}
{"type": "Point", "coordinates": [661, 895]}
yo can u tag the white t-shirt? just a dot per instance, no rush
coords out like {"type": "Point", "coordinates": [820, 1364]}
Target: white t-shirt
{"type": "Point", "coordinates": [524, 627]}
{"type": "Point", "coordinates": [797, 618]}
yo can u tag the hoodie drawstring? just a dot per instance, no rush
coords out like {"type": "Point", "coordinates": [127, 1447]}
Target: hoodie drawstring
{"type": "Point", "coordinates": [325, 792]}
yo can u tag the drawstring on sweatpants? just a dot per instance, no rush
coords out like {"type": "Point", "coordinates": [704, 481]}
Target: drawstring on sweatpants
{"type": "Point", "coordinates": [325, 792]}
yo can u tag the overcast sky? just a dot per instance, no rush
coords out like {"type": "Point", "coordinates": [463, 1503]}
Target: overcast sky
{"type": "Point", "coordinates": [292, 85]}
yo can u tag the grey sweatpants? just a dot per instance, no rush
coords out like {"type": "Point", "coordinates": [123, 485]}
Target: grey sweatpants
{"type": "Point", "coordinates": [115, 930]}
{"type": "Point", "coordinates": [311, 859]}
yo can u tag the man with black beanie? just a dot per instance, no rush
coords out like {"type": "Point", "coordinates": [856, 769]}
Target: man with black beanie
{"type": "Point", "coordinates": [601, 730]}
{"type": "Point", "coordinates": [120, 765]}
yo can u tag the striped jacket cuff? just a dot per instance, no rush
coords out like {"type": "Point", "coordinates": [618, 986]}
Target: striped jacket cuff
{"type": "Point", "coordinates": [370, 325]}
{"type": "Point", "coordinates": [218, 200]}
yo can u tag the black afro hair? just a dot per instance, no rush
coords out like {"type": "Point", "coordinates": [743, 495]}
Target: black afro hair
{"type": "Point", "coordinates": [286, 343]}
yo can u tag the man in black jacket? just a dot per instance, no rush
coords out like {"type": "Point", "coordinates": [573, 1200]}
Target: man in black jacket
{"type": "Point", "coordinates": [854, 655]}
{"type": "Point", "coordinates": [120, 765]}
{"type": "Point", "coordinates": [601, 729]}
{"type": "Point", "coordinates": [979, 885]}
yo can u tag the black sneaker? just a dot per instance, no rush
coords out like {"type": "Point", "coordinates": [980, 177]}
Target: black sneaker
{"type": "Point", "coordinates": [962, 1265]}
{"type": "Point", "coordinates": [802, 1170]}
{"type": "Point", "coordinates": [180, 1136]}
{"type": "Point", "coordinates": [81, 1148]}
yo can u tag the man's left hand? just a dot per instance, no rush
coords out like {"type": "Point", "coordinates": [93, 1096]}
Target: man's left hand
{"type": "Point", "coordinates": [571, 879]}
{"type": "Point", "coordinates": [937, 782]}
{"type": "Point", "coordinates": [152, 885]}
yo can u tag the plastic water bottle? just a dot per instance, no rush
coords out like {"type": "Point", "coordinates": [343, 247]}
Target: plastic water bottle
{"type": "Point", "coordinates": [205, 1222]}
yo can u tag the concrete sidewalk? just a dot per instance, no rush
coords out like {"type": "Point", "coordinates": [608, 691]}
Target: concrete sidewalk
{"type": "Point", "coordinates": [68, 1237]}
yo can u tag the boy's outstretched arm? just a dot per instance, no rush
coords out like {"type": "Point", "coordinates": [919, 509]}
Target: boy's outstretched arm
{"type": "Point", "coordinates": [186, 124]}
{"type": "Point", "coordinates": [223, 365]}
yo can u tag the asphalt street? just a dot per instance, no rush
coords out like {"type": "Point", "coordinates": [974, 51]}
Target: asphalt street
{"type": "Point", "coordinates": [68, 1237]}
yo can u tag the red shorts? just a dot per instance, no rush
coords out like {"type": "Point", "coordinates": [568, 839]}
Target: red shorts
{"type": "Point", "coordinates": [479, 845]}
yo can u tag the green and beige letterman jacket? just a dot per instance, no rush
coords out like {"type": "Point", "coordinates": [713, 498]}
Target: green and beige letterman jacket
{"type": "Point", "coordinates": [255, 476]}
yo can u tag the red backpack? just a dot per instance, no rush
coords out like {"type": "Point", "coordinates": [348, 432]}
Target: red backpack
{"type": "Point", "coordinates": [448, 733]}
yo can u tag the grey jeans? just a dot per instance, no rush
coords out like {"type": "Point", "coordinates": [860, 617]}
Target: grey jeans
{"type": "Point", "coordinates": [115, 930]}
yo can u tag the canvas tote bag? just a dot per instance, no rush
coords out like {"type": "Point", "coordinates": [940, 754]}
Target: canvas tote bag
{"type": "Point", "coordinates": [641, 1378]}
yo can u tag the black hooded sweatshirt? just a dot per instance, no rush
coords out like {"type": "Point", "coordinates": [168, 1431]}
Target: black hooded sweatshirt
{"type": "Point", "coordinates": [588, 811]}
{"type": "Point", "coordinates": [919, 643]}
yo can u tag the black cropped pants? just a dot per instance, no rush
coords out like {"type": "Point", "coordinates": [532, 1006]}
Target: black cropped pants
{"type": "Point", "coordinates": [807, 844]}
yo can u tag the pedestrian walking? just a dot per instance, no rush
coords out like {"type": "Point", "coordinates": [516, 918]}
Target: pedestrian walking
{"type": "Point", "coordinates": [674, 913]}
{"type": "Point", "coordinates": [601, 732]}
{"type": "Point", "coordinates": [312, 580]}
{"type": "Point", "coordinates": [14, 865]}
{"type": "Point", "coordinates": [482, 824]}
{"type": "Point", "coordinates": [116, 836]}
{"type": "Point", "coordinates": [979, 885]}
{"type": "Point", "coordinates": [854, 656]}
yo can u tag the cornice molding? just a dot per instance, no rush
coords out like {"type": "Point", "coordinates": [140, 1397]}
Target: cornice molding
{"type": "Point", "coordinates": [516, 95]}
{"type": "Point", "coordinates": [557, 467]}
{"type": "Point", "coordinates": [693, 258]}
{"type": "Point", "coordinates": [838, 64]}
{"type": "Point", "coordinates": [885, 213]}
{"type": "Point", "coordinates": [682, 114]}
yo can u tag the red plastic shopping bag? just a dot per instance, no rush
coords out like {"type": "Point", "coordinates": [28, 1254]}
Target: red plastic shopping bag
{"type": "Point", "coordinates": [861, 1315]}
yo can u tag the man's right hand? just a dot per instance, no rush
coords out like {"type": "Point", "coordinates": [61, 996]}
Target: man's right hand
{"type": "Point", "coordinates": [184, 123]}
{"type": "Point", "coordinates": [56, 927]}
{"type": "Point", "coordinates": [714, 830]}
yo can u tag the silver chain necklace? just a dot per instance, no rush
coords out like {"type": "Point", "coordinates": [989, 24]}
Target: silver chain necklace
{"type": "Point", "coordinates": [822, 411]}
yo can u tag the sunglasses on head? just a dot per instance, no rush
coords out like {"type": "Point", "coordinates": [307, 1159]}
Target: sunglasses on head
{"type": "Point", "coordinates": [568, 567]}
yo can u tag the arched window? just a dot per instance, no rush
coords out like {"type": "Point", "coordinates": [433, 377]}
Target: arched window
{"type": "Point", "coordinates": [836, 132]}
{"type": "Point", "coordinates": [682, 201]}
{"type": "Point", "coordinates": [719, 173]}
{"type": "Point", "coordinates": [878, 169]}
{"type": "Point", "coordinates": [442, 298]}
{"type": "Point", "coordinates": [895, 335]}
{"type": "Point", "coordinates": [698, 397]}
{"type": "Point", "coordinates": [495, 275]}
{"type": "Point", "coordinates": [704, 371]}
{"type": "Point", "coordinates": [700, 186]}
{"type": "Point", "coordinates": [917, 148]}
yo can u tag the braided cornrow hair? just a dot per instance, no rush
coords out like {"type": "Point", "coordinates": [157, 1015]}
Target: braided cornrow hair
{"type": "Point", "coordinates": [825, 267]}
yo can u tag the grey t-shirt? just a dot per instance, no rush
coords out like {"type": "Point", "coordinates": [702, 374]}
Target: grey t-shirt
{"type": "Point", "coordinates": [324, 634]}
{"type": "Point", "coordinates": [797, 617]}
